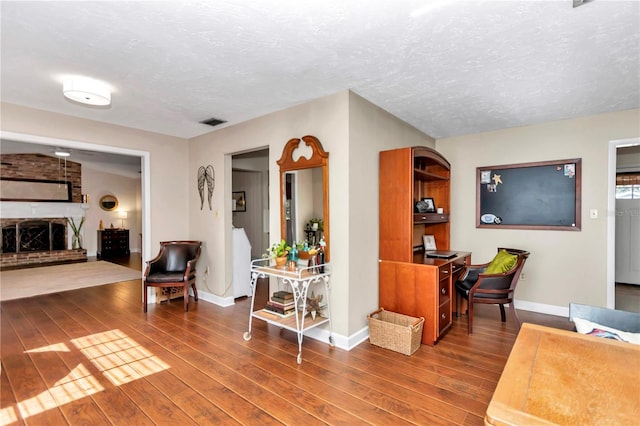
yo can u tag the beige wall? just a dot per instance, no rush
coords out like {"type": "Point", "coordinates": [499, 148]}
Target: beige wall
{"type": "Point", "coordinates": [168, 184]}
{"type": "Point", "coordinates": [371, 130]}
{"type": "Point", "coordinates": [325, 118]}
{"type": "Point", "coordinates": [353, 131]}
{"type": "Point", "coordinates": [628, 159]}
{"type": "Point", "coordinates": [127, 190]}
{"type": "Point", "coordinates": [564, 266]}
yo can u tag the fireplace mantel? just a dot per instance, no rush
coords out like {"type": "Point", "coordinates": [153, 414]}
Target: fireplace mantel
{"type": "Point", "coordinates": [31, 209]}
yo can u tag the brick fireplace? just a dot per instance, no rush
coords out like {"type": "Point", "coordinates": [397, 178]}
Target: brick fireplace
{"type": "Point", "coordinates": [36, 241]}
{"type": "Point", "coordinates": [36, 233]}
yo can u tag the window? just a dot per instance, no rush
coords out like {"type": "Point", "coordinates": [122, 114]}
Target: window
{"type": "Point", "coordinates": [628, 186]}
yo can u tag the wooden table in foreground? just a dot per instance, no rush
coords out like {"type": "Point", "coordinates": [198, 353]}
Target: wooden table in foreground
{"type": "Point", "coordinates": [560, 377]}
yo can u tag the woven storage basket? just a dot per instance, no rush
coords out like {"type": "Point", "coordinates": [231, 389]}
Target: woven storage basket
{"type": "Point", "coordinates": [400, 333]}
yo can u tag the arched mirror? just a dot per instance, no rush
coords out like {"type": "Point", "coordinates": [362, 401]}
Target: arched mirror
{"type": "Point", "coordinates": [304, 192]}
{"type": "Point", "coordinates": [108, 203]}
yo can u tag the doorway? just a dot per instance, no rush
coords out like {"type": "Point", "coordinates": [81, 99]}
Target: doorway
{"type": "Point", "coordinates": [41, 144]}
{"type": "Point", "coordinates": [627, 222]}
{"type": "Point", "coordinates": [624, 155]}
{"type": "Point", "coordinates": [250, 178]}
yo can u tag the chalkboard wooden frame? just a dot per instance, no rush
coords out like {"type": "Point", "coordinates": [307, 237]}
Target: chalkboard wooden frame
{"type": "Point", "coordinates": [543, 195]}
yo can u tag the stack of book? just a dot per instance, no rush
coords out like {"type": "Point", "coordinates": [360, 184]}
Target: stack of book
{"type": "Point", "coordinates": [281, 303]}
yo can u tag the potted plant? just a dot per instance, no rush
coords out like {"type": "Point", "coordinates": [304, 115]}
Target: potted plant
{"type": "Point", "coordinates": [315, 224]}
{"type": "Point", "coordinates": [76, 242]}
{"type": "Point", "coordinates": [279, 251]}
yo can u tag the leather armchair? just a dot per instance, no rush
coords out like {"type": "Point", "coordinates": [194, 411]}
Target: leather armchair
{"type": "Point", "coordinates": [174, 266]}
{"type": "Point", "coordinates": [478, 287]}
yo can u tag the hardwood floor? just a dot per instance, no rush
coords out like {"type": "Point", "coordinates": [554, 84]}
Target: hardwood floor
{"type": "Point", "coordinates": [91, 356]}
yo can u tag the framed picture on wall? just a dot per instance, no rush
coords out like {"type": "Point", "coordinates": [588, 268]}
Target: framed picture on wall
{"type": "Point", "coordinates": [238, 202]}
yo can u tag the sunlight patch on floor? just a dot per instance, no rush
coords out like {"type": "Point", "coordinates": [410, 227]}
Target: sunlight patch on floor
{"type": "Point", "coordinates": [120, 358]}
{"type": "Point", "coordinates": [117, 356]}
{"type": "Point", "coordinates": [56, 347]}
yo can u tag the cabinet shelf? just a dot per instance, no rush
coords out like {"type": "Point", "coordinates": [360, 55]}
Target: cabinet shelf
{"type": "Point", "coordinates": [289, 323]}
{"type": "Point", "coordinates": [425, 176]}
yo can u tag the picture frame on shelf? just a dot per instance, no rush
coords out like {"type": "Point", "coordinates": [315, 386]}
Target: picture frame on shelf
{"type": "Point", "coordinates": [429, 242]}
{"type": "Point", "coordinates": [430, 205]}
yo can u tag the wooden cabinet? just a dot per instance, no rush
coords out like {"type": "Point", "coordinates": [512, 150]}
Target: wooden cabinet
{"type": "Point", "coordinates": [113, 242]}
{"type": "Point", "coordinates": [410, 283]}
{"type": "Point", "coordinates": [423, 288]}
{"type": "Point", "coordinates": [407, 175]}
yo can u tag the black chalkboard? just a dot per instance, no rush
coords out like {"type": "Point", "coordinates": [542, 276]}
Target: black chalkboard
{"type": "Point", "coordinates": [541, 195]}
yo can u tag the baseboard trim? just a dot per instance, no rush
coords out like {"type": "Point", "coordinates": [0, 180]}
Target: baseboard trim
{"type": "Point", "coordinates": [542, 308]}
{"type": "Point", "coordinates": [216, 300]}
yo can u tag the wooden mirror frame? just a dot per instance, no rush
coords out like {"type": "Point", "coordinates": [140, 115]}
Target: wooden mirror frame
{"type": "Point", "coordinates": [319, 158]}
{"type": "Point", "coordinates": [111, 199]}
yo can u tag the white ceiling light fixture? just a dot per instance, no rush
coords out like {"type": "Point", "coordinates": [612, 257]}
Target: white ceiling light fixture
{"type": "Point", "coordinates": [62, 152]}
{"type": "Point", "coordinates": [87, 91]}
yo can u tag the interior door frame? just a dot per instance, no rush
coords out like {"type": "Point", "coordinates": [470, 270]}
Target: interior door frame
{"type": "Point", "coordinates": [145, 175]}
{"type": "Point", "coordinates": [611, 216]}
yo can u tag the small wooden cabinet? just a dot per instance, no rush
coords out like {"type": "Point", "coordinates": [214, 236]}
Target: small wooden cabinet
{"type": "Point", "coordinates": [113, 243]}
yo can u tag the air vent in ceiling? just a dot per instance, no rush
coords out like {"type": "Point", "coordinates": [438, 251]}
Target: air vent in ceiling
{"type": "Point", "coordinates": [213, 122]}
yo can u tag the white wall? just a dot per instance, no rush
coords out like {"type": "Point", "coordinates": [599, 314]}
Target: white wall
{"type": "Point", "coordinates": [564, 266]}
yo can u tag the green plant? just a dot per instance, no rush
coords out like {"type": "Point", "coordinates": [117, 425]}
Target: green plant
{"type": "Point", "coordinates": [278, 249]}
{"type": "Point", "coordinates": [319, 221]}
{"type": "Point", "coordinates": [77, 237]}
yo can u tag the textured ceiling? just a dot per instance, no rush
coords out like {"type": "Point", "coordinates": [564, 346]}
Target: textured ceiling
{"type": "Point", "coordinates": [446, 67]}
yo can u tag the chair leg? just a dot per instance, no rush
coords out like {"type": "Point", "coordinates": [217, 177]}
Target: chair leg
{"type": "Point", "coordinates": [195, 291]}
{"type": "Point", "coordinates": [503, 317]}
{"type": "Point", "coordinates": [144, 296]}
{"type": "Point", "coordinates": [186, 297]}
{"type": "Point", "coordinates": [470, 316]}
{"type": "Point", "coordinates": [458, 304]}
{"type": "Point", "coordinates": [514, 314]}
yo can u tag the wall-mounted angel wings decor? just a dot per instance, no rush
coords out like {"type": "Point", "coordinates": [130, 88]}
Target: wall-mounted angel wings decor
{"type": "Point", "coordinates": [206, 175]}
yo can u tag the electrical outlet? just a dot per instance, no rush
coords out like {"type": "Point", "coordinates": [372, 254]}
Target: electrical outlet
{"type": "Point", "coordinates": [523, 276]}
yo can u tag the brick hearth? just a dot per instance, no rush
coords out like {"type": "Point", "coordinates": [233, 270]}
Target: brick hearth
{"type": "Point", "coordinates": [41, 258]}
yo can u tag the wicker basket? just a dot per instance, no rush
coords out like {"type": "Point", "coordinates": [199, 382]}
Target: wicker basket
{"type": "Point", "coordinates": [400, 333]}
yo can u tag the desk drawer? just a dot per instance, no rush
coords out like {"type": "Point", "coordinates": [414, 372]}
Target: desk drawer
{"type": "Point", "coordinates": [444, 316]}
{"type": "Point", "coordinates": [443, 291]}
